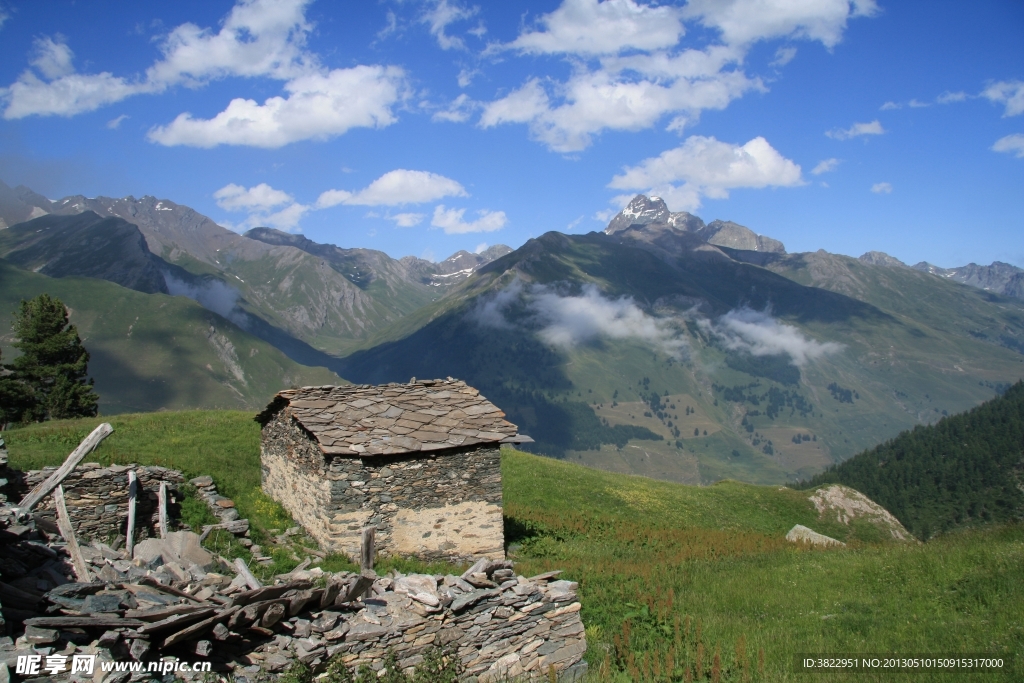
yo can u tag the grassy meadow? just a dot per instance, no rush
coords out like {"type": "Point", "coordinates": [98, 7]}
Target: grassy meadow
{"type": "Point", "coordinates": [677, 583]}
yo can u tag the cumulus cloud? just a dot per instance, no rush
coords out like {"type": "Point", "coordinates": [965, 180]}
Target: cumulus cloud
{"type": "Point", "coordinates": [1009, 93]}
{"type": "Point", "coordinates": [259, 203]}
{"type": "Point", "coordinates": [706, 167]}
{"type": "Point", "coordinates": [406, 220]}
{"type": "Point", "coordinates": [457, 111]}
{"type": "Point", "coordinates": [760, 334]}
{"type": "Point", "coordinates": [628, 71]}
{"type": "Point", "coordinates": [213, 295]}
{"type": "Point", "coordinates": [441, 15]}
{"type": "Point", "coordinates": [400, 186]}
{"type": "Point", "coordinates": [318, 106]}
{"type": "Point", "coordinates": [889, 106]}
{"type": "Point", "coordinates": [856, 130]}
{"type": "Point", "coordinates": [1011, 144]}
{"type": "Point", "coordinates": [743, 22]}
{"type": "Point", "coordinates": [882, 188]}
{"type": "Point", "coordinates": [573, 320]}
{"type": "Point", "coordinates": [825, 166]}
{"type": "Point", "coordinates": [258, 38]}
{"type": "Point", "coordinates": [453, 223]}
{"type": "Point", "coordinates": [589, 27]}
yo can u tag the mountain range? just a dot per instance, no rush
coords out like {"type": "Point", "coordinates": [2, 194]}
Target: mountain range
{"type": "Point", "coordinates": [662, 346]}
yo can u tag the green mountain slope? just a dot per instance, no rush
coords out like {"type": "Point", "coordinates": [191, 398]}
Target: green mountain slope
{"type": "Point", "coordinates": [667, 572]}
{"type": "Point", "coordinates": [878, 358]}
{"type": "Point", "coordinates": [966, 470]}
{"type": "Point", "coordinates": [159, 352]}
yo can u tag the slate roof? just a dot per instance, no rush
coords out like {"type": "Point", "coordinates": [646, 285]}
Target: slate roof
{"type": "Point", "coordinates": [389, 419]}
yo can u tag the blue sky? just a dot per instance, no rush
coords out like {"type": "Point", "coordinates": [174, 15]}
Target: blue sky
{"type": "Point", "coordinates": [427, 127]}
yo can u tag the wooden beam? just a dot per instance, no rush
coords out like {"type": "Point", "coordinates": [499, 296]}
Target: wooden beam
{"type": "Point", "coordinates": [367, 548]}
{"type": "Point", "coordinates": [243, 569]}
{"type": "Point", "coordinates": [133, 494]}
{"type": "Point", "coordinates": [361, 586]}
{"type": "Point", "coordinates": [83, 621]}
{"type": "Point", "coordinates": [68, 532]}
{"type": "Point", "coordinates": [53, 481]}
{"type": "Point", "coordinates": [199, 628]}
{"type": "Point", "coordinates": [162, 502]}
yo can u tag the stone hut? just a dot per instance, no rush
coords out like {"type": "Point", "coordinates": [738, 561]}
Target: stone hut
{"type": "Point", "coordinates": [419, 461]}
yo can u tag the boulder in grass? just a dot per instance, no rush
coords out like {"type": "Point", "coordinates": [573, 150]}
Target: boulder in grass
{"type": "Point", "coordinates": [802, 533]}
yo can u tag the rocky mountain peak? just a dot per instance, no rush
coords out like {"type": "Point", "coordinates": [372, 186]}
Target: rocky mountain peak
{"type": "Point", "coordinates": [880, 258]}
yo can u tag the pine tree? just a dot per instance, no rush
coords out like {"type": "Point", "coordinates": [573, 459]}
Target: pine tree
{"type": "Point", "coordinates": [53, 366]}
{"type": "Point", "coordinates": [15, 399]}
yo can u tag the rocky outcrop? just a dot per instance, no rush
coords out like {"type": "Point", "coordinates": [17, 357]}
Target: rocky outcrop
{"type": "Point", "coordinates": [802, 534]}
{"type": "Point", "coordinates": [847, 504]}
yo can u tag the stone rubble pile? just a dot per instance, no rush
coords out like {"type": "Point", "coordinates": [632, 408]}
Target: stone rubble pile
{"type": "Point", "coordinates": [176, 599]}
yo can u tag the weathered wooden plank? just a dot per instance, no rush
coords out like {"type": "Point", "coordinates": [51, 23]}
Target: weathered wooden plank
{"type": "Point", "coordinates": [170, 590]}
{"type": "Point", "coordinates": [243, 569]}
{"type": "Point", "coordinates": [68, 532]}
{"type": "Point", "coordinates": [161, 498]}
{"type": "Point", "coordinates": [367, 550]}
{"type": "Point", "coordinates": [158, 613]}
{"type": "Point", "coordinates": [53, 481]}
{"type": "Point", "coordinates": [133, 494]}
{"type": "Point", "coordinates": [84, 622]}
{"type": "Point", "coordinates": [176, 621]}
{"type": "Point", "coordinates": [199, 628]}
{"type": "Point", "coordinates": [269, 592]}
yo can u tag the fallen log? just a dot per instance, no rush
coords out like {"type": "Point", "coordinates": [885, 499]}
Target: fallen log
{"type": "Point", "coordinates": [268, 592]}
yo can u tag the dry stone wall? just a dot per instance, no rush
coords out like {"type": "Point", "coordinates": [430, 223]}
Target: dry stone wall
{"type": "Point", "coordinates": [437, 505]}
{"type": "Point", "coordinates": [97, 498]}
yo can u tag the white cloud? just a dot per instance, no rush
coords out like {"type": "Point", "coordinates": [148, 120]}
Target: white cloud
{"type": "Point", "coordinates": [882, 188]}
{"type": "Point", "coordinates": [114, 124]}
{"type": "Point", "coordinates": [319, 106]}
{"type": "Point", "coordinates": [53, 58]}
{"type": "Point", "coordinates": [950, 97]}
{"type": "Point", "coordinates": [589, 27]}
{"type": "Point", "coordinates": [642, 75]}
{"type": "Point", "coordinates": [259, 201]}
{"type": "Point", "coordinates": [889, 106]}
{"type": "Point", "coordinates": [917, 104]}
{"type": "Point", "coordinates": [257, 38]}
{"type": "Point", "coordinates": [234, 197]}
{"type": "Point", "coordinates": [613, 98]}
{"type": "Point", "coordinates": [857, 129]}
{"type": "Point", "coordinates": [466, 76]}
{"type": "Point", "coordinates": [406, 220]}
{"type": "Point", "coordinates": [743, 22]}
{"type": "Point", "coordinates": [760, 334]}
{"type": "Point", "coordinates": [569, 321]}
{"type": "Point", "coordinates": [1011, 144]}
{"type": "Point", "coordinates": [457, 111]}
{"type": "Point", "coordinates": [825, 166]}
{"type": "Point", "coordinates": [396, 187]}
{"type": "Point", "coordinates": [443, 14]}
{"type": "Point", "coordinates": [709, 168]}
{"type": "Point", "coordinates": [4, 16]}
{"type": "Point", "coordinates": [1010, 93]}
{"type": "Point", "coordinates": [452, 222]}
{"type": "Point", "coordinates": [783, 56]}
{"type": "Point", "coordinates": [480, 248]}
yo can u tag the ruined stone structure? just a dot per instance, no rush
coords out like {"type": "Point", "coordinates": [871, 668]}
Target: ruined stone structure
{"type": "Point", "coordinates": [97, 498]}
{"type": "Point", "coordinates": [418, 461]}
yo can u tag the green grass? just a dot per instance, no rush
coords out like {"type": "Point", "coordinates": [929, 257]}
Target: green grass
{"type": "Point", "coordinates": [659, 563]}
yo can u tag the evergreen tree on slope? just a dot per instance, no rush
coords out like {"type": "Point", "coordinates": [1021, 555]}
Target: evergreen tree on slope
{"type": "Point", "coordinates": [53, 365]}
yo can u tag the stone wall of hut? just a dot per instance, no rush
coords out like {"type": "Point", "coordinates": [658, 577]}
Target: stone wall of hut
{"type": "Point", "coordinates": [97, 498]}
{"type": "Point", "coordinates": [435, 505]}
